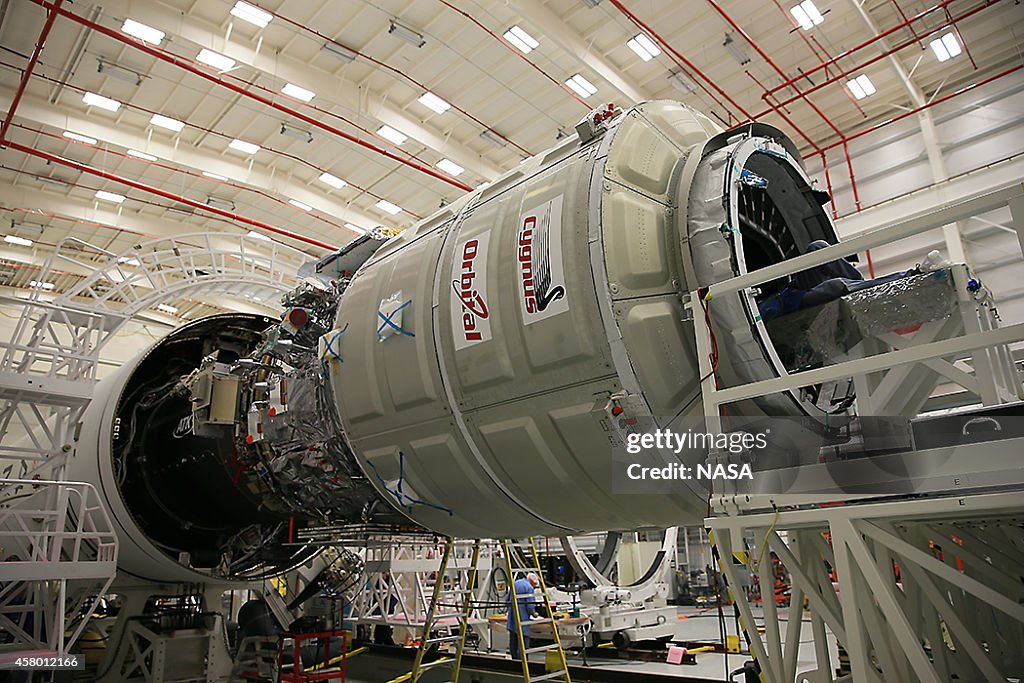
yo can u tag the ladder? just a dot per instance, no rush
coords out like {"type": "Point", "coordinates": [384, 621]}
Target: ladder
{"type": "Point", "coordinates": [465, 597]}
{"type": "Point", "coordinates": [562, 673]}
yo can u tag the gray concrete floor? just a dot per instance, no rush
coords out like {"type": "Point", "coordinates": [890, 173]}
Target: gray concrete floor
{"type": "Point", "coordinates": [693, 624]}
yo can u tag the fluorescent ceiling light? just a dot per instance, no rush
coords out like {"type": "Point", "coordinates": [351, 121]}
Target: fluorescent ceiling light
{"type": "Point", "coordinates": [450, 167]}
{"type": "Point", "coordinates": [119, 72]}
{"type": "Point", "coordinates": [734, 49]}
{"type": "Point", "coordinates": [644, 47]}
{"type": "Point", "coordinates": [109, 196]}
{"type": "Point", "coordinates": [214, 176]}
{"type": "Point", "coordinates": [582, 86]}
{"type": "Point", "coordinates": [20, 241]}
{"type": "Point", "coordinates": [493, 138]}
{"type": "Point", "coordinates": [340, 52]}
{"type": "Point", "coordinates": [141, 155]}
{"type": "Point", "coordinates": [297, 133]}
{"type": "Point", "coordinates": [861, 86]}
{"type": "Point", "coordinates": [243, 146]}
{"type": "Point", "coordinates": [385, 205]}
{"type": "Point", "coordinates": [78, 137]}
{"type": "Point", "coordinates": [432, 101]}
{"type": "Point", "coordinates": [300, 205]}
{"type": "Point", "coordinates": [218, 203]}
{"type": "Point", "coordinates": [399, 30]}
{"type": "Point", "coordinates": [215, 59]}
{"type": "Point", "coordinates": [356, 229]}
{"type": "Point", "coordinates": [254, 15]}
{"type": "Point", "coordinates": [392, 135]}
{"type": "Point", "coordinates": [50, 180]}
{"type": "Point", "coordinates": [521, 40]}
{"type": "Point", "coordinates": [258, 236]}
{"type": "Point", "coordinates": [167, 308]}
{"type": "Point", "coordinates": [27, 227]}
{"type": "Point", "coordinates": [681, 82]}
{"type": "Point", "coordinates": [292, 90]}
{"type": "Point", "coordinates": [332, 180]}
{"type": "Point", "coordinates": [94, 100]}
{"type": "Point", "coordinates": [946, 47]}
{"type": "Point", "coordinates": [807, 15]}
{"type": "Point", "coordinates": [167, 122]}
{"type": "Point", "coordinates": [41, 285]}
{"type": "Point", "coordinates": [142, 32]}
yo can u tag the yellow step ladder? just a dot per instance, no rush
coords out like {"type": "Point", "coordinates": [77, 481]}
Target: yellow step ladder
{"type": "Point", "coordinates": [562, 673]}
{"type": "Point", "coordinates": [465, 610]}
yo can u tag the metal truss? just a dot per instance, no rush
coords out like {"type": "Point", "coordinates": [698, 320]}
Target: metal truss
{"type": "Point", "coordinates": [49, 365]}
{"type": "Point", "coordinates": [917, 590]}
{"type": "Point", "coordinates": [58, 548]}
{"type": "Point", "coordinates": [398, 584]}
{"type": "Point", "coordinates": [912, 588]}
{"type": "Point", "coordinates": [60, 556]}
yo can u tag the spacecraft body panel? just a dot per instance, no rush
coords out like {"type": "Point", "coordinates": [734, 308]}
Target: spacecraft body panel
{"type": "Point", "coordinates": [475, 371]}
{"type": "Point", "coordinates": [548, 296]}
{"type": "Point", "coordinates": [138, 555]}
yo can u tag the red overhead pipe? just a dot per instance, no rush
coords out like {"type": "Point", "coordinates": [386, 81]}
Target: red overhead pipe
{"type": "Point", "coordinates": [885, 53]}
{"type": "Point", "coordinates": [811, 42]}
{"type": "Point", "coordinates": [517, 52]}
{"type": "Point", "coordinates": [916, 110]}
{"type": "Point", "coordinates": [849, 169]}
{"type": "Point", "coordinates": [194, 174]}
{"type": "Point", "coordinates": [903, 14]}
{"type": "Point", "coordinates": [828, 183]}
{"type": "Point", "coordinates": [27, 74]}
{"type": "Point", "coordinates": [856, 48]}
{"type": "Point", "coordinates": [778, 110]}
{"type": "Point", "coordinates": [384, 65]}
{"type": "Point", "coordinates": [689, 65]}
{"type": "Point", "coordinates": [192, 68]}
{"type": "Point", "coordinates": [952, 22]}
{"type": "Point", "coordinates": [772, 64]}
{"type": "Point", "coordinates": [165, 194]}
{"type": "Point", "coordinates": [217, 133]}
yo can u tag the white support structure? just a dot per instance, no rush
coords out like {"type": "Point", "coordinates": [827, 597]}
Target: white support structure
{"type": "Point", "coordinates": [49, 365]}
{"type": "Point", "coordinates": [398, 583]}
{"type": "Point", "coordinates": [59, 556]}
{"type": "Point", "coordinates": [912, 588]}
{"type": "Point", "coordinates": [58, 545]}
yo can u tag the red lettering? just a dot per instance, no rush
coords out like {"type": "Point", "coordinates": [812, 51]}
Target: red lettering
{"type": "Point", "coordinates": [473, 305]}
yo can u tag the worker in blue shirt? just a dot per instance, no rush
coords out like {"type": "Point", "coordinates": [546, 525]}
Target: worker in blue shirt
{"type": "Point", "coordinates": [527, 609]}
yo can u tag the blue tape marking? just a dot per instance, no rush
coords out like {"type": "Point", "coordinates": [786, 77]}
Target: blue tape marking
{"type": "Point", "coordinates": [752, 179]}
{"type": "Point", "coordinates": [388, 322]}
{"type": "Point", "coordinates": [336, 353]}
{"type": "Point", "coordinates": [400, 497]}
{"type": "Point", "coordinates": [329, 349]}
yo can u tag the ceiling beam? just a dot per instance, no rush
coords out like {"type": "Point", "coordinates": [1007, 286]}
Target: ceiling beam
{"type": "Point", "coordinates": [554, 27]}
{"type": "Point", "coordinates": [257, 175]}
{"type": "Point", "coordinates": [136, 226]}
{"type": "Point", "coordinates": [350, 95]}
{"type": "Point", "coordinates": [953, 232]}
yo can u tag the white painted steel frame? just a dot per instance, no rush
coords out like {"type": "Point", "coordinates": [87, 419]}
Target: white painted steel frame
{"type": "Point", "coordinates": [964, 604]}
{"type": "Point", "coordinates": [48, 369]}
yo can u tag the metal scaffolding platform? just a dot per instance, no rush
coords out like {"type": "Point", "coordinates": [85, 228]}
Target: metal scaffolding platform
{"type": "Point", "coordinates": [58, 543]}
{"type": "Point", "coordinates": [921, 584]}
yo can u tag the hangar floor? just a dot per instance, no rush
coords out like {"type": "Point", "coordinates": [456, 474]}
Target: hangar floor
{"type": "Point", "coordinates": [693, 625]}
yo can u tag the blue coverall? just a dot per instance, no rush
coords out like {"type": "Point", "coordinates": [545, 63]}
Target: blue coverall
{"type": "Point", "coordinates": [527, 608]}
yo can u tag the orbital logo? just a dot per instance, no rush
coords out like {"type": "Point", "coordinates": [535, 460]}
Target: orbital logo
{"type": "Point", "coordinates": [539, 255]}
{"type": "Point", "coordinates": [471, 322]}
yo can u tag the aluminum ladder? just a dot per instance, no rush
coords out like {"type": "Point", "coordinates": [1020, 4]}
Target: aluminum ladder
{"type": "Point", "coordinates": [561, 673]}
{"type": "Point", "coordinates": [464, 596]}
